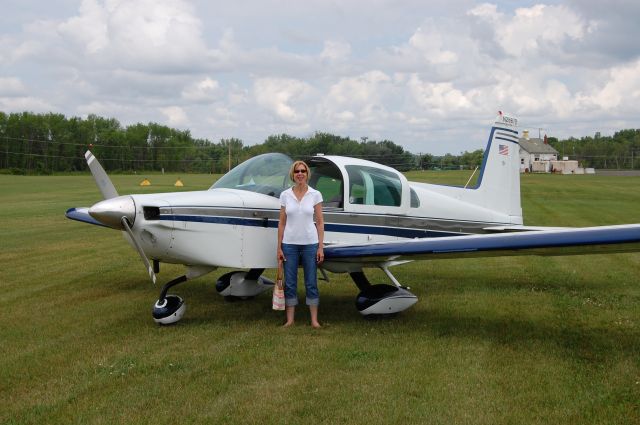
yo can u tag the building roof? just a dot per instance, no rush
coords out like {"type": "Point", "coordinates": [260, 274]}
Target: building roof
{"type": "Point", "coordinates": [536, 146]}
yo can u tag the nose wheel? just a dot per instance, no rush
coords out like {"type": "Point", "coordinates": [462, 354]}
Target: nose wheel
{"type": "Point", "coordinates": [169, 309]}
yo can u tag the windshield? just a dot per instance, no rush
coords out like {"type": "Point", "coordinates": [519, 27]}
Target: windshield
{"type": "Point", "coordinates": [267, 174]}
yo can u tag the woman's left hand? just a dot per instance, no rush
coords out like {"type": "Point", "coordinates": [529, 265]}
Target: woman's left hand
{"type": "Point", "coordinates": [320, 255]}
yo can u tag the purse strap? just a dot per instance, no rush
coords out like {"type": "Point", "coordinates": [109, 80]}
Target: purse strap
{"type": "Point", "coordinates": [279, 272]}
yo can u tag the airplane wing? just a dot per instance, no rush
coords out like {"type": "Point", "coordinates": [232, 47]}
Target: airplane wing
{"type": "Point", "coordinates": [82, 214]}
{"type": "Point", "coordinates": [575, 241]}
{"type": "Point", "coordinates": [521, 228]}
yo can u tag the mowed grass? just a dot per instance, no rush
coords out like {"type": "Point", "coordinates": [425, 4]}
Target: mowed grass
{"type": "Point", "coordinates": [522, 340]}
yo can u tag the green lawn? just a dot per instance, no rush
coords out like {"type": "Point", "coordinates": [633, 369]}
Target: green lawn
{"type": "Point", "coordinates": [522, 340]}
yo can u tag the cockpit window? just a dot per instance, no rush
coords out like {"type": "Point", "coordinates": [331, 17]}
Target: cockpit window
{"type": "Point", "coordinates": [267, 174]}
{"type": "Point", "coordinates": [373, 186]}
{"type": "Point", "coordinates": [327, 178]}
{"type": "Point", "coordinates": [415, 200]}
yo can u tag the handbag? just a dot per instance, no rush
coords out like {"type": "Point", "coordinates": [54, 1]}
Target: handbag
{"type": "Point", "coordinates": [277, 300]}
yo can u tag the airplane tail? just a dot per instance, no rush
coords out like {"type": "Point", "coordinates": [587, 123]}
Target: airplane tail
{"type": "Point", "coordinates": [498, 184]}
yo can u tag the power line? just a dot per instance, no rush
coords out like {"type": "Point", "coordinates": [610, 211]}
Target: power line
{"type": "Point", "coordinates": [97, 145]}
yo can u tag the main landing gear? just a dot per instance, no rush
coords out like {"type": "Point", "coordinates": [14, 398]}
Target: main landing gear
{"type": "Point", "coordinates": [243, 285]}
{"type": "Point", "coordinates": [381, 300]}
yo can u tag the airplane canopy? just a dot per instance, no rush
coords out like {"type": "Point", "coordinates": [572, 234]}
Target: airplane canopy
{"type": "Point", "coordinates": [267, 174]}
{"type": "Point", "coordinates": [345, 183]}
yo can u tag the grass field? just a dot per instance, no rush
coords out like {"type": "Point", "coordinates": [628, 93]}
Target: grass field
{"type": "Point", "coordinates": [523, 340]}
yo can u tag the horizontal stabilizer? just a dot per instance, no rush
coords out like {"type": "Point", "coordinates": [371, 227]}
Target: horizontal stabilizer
{"type": "Point", "coordinates": [585, 240]}
{"type": "Point", "coordinates": [82, 214]}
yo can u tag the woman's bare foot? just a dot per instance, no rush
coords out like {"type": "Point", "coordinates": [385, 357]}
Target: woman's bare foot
{"type": "Point", "coordinates": [315, 325]}
{"type": "Point", "coordinates": [287, 324]}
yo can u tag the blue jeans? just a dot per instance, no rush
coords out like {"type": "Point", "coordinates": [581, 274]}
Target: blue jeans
{"type": "Point", "coordinates": [305, 255]}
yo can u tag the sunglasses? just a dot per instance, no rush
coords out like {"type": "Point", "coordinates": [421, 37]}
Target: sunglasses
{"type": "Point", "coordinates": [299, 171]}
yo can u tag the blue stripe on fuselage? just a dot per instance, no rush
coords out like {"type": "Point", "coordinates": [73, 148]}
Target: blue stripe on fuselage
{"type": "Point", "coordinates": [400, 232]}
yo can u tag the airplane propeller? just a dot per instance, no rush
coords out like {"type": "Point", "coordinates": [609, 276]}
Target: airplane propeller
{"type": "Point", "coordinates": [143, 256]}
{"type": "Point", "coordinates": [117, 212]}
{"type": "Point", "coordinates": [100, 176]}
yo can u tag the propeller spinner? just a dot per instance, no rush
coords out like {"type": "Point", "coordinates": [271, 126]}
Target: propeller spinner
{"type": "Point", "coordinates": [111, 211]}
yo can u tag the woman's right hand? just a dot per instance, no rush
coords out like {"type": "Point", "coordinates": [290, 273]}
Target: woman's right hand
{"type": "Point", "coordinates": [281, 256]}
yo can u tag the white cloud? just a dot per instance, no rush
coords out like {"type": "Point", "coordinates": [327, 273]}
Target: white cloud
{"type": "Point", "coordinates": [534, 28]}
{"type": "Point", "coordinates": [11, 87]}
{"type": "Point", "coordinates": [222, 117]}
{"type": "Point", "coordinates": [203, 91]}
{"type": "Point", "coordinates": [13, 51]}
{"type": "Point", "coordinates": [334, 51]}
{"type": "Point", "coordinates": [25, 103]}
{"type": "Point", "coordinates": [437, 97]}
{"type": "Point", "coordinates": [620, 92]}
{"type": "Point", "coordinates": [430, 46]}
{"type": "Point", "coordinates": [144, 34]}
{"type": "Point", "coordinates": [89, 28]}
{"type": "Point", "coordinates": [355, 68]}
{"type": "Point", "coordinates": [279, 95]}
{"type": "Point", "coordinates": [176, 116]}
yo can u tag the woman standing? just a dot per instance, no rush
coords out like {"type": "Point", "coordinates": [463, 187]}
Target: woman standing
{"type": "Point", "coordinates": [300, 240]}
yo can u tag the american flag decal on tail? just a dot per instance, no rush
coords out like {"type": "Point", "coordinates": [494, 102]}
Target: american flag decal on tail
{"type": "Point", "coordinates": [503, 149]}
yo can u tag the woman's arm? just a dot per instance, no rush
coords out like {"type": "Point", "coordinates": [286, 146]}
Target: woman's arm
{"type": "Point", "coordinates": [281, 223]}
{"type": "Point", "coordinates": [320, 226]}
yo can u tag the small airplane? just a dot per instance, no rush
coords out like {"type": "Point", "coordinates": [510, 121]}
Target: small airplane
{"type": "Point", "coordinates": [374, 218]}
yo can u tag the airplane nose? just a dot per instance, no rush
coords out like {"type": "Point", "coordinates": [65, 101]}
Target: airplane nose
{"type": "Point", "coordinates": [110, 211]}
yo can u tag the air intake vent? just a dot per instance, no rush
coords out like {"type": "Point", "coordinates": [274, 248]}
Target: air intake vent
{"type": "Point", "coordinates": [151, 213]}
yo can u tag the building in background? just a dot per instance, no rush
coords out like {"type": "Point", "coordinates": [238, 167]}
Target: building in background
{"type": "Point", "coordinates": [536, 155]}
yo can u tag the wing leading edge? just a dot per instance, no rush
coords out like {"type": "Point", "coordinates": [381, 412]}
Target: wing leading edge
{"type": "Point", "coordinates": [586, 240]}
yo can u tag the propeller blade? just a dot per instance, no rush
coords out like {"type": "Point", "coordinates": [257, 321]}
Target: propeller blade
{"type": "Point", "coordinates": [145, 260]}
{"type": "Point", "coordinates": [100, 176]}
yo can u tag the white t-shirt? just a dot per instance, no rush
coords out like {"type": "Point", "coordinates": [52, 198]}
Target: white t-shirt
{"type": "Point", "coordinates": [300, 228]}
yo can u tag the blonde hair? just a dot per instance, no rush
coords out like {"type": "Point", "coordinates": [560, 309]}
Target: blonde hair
{"type": "Point", "coordinates": [293, 167]}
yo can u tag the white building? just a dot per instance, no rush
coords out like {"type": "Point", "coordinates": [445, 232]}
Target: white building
{"type": "Point", "coordinates": [536, 155]}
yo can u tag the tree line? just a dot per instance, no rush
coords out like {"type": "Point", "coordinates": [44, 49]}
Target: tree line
{"type": "Point", "coordinates": [33, 143]}
{"type": "Point", "coordinates": [46, 143]}
{"type": "Point", "coordinates": [620, 151]}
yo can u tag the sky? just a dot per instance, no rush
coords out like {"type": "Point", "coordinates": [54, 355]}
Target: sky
{"type": "Point", "coordinates": [427, 75]}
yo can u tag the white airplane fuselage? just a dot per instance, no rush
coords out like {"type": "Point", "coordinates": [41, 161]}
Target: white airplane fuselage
{"type": "Point", "coordinates": [236, 225]}
{"type": "Point", "coordinates": [238, 228]}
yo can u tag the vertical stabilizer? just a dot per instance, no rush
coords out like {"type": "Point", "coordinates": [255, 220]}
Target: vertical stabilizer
{"type": "Point", "coordinates": [499, 179]}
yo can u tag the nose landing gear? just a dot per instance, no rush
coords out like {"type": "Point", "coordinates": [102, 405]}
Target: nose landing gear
{"type": "Point", "coordinates": [169, 308]}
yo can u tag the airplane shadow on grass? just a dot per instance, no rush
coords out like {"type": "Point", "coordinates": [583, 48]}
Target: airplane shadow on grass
{"type": "Point", "coordinates": [573, 334]}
